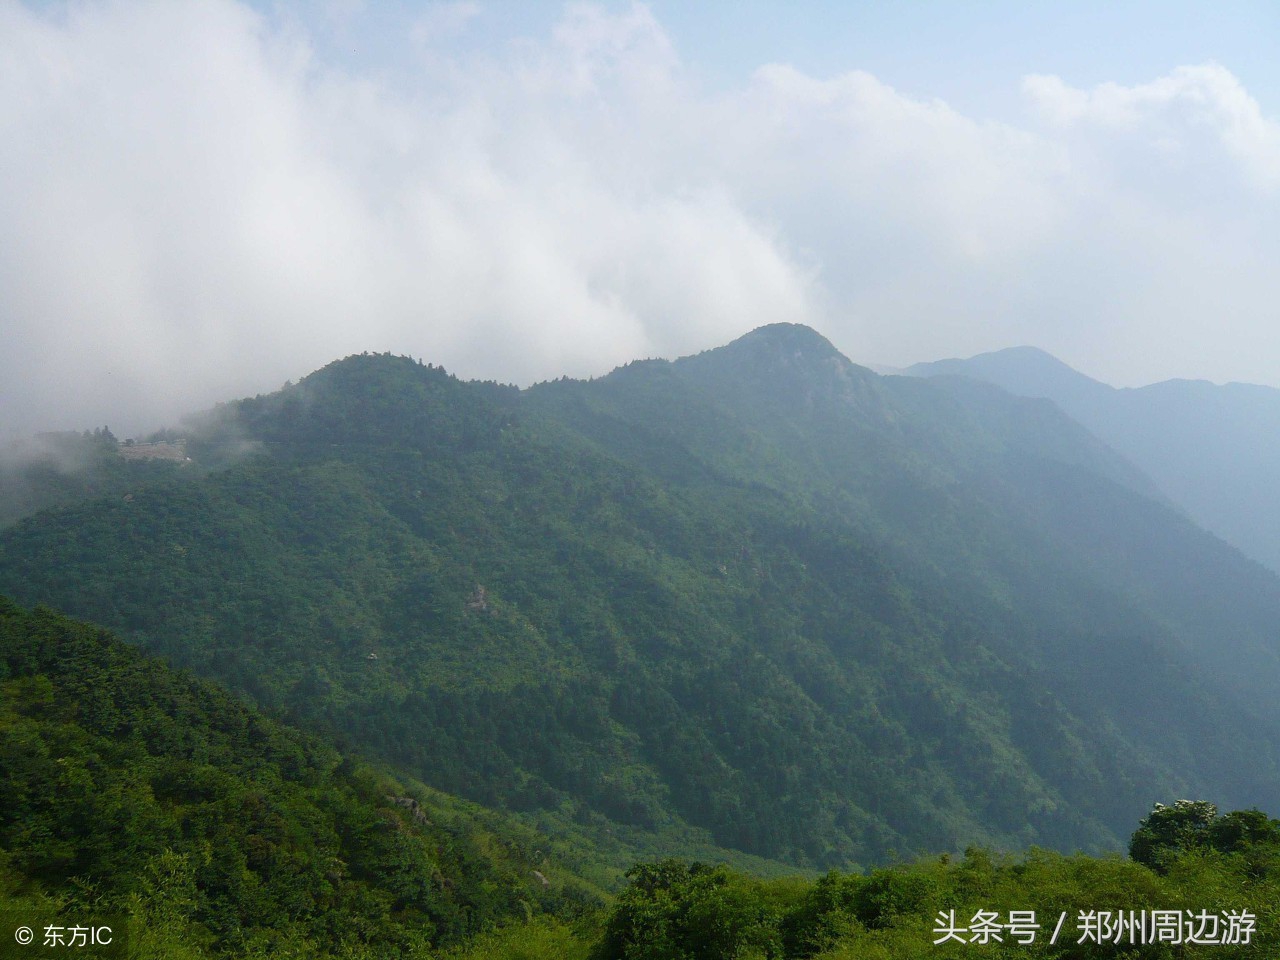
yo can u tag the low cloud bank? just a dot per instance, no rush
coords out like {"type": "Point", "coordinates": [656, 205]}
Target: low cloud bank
{"type": "Point", "coordinates": [198, 205]}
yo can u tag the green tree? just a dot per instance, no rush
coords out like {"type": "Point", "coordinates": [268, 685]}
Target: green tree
{"type": "Point", "coordinates": [674, 911]}
{"type": "Point", "coordinates": [1169, 831]}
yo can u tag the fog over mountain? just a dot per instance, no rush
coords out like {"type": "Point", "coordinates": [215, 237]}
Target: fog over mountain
{"type": "Point", "coordinates": [463, 492]}
{"type": "Point", "coordinates": [1212, 449]}
{"type": "Point", "coordinates": [201, 199]}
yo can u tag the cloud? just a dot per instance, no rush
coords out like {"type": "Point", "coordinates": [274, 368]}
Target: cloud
{"type": "Point", "coordinates": [1188, 116]}
{"type": "Point", "coordinates": [200, 201]}
{"type": "Point", "coordinates": [1173, 184]}
{"type": "Point", "coordinates": [442, 21]}
{"type": "Point", "coordinates": [197, 207]}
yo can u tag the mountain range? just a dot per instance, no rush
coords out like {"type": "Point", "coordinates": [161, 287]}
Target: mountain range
{"type": "Point", "coordinates": [760, 599]}
{"type": "Point", "coordinates": [1212, 449]}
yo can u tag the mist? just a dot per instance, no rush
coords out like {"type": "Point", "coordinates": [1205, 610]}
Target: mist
{"type": "Point", "coordinates": [200, 202]}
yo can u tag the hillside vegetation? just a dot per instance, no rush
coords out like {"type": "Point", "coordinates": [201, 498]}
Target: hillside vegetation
{"type": "Point", "coordinates": [132, 790]}
{"type": "Point", "coordinates": [1211, 448]}
{"type": "Point", "coordinates": [759, 599]}
{"type": "Point", "coordinates": [198, 828]}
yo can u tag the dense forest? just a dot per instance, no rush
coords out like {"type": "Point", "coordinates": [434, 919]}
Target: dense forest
{"type": "Point", "coordinates": [62, 468]}
{"type": "Point", "coordinates": [758, 608]}
{"type": "Point", "coordinates": [200, 828]}
{"type": "Point", "coordinates": [757, 600]}
{"type": "Point", "coordinates": [132, 790]}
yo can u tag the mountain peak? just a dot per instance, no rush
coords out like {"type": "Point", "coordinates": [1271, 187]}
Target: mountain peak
{"type": "Point", "coordinates": [784, 366]}
{"type": "Point", "coordinates": [790, 337]}
{"type": "Point", "coordinates": [789, 351]}
{"type": "Point", "coordinates": [1027, 371]}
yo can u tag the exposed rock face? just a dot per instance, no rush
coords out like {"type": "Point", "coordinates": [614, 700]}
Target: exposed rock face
{"type": "Point", "coordinates": [414, 808]}
{"type": "Point", "coordinates": [479, 600]}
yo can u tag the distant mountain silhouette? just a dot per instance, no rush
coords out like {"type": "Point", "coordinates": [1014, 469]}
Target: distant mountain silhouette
{"type": "Point", "coordinates": [1213, 450]}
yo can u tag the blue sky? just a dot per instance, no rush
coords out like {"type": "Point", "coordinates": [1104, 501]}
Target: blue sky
{"type": "Point", "coordinates": [202, 200]}
{"type": "Point", "coordinates": [972, 54]}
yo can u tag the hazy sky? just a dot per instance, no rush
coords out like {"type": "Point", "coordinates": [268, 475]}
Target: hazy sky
{"type": "Point", "coordinates": [201, 200]}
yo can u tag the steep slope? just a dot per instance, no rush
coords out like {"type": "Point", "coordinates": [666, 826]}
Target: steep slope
{"type": "Point", "coordinates": [1211, 449]}
{"type": "Point", "coordinates": [953, 476]}
{"type": "Point", "coordinates": [126, 787]}
{"type": "Point", "coordinates": [759, 597]}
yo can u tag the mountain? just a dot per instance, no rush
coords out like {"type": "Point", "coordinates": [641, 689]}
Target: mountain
{"type": "Point", "coordinates": [1026, 371]}
{"type": "Point", "coordinates": [759, 598]}
{"type": "Point", "coordinates": [61, 468]}
{"type": "Point", "coordinates": [144, 800]}
{"type": "Point", "coordinates": [1212, 449]}
{"type": "Point", "coordinates": [129, 789]}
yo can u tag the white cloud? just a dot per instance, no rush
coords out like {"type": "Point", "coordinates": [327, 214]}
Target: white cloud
{"type": "Point", "coordinates": [196, 205]}
{"type": "Point", "coordinates": [1191, 112]}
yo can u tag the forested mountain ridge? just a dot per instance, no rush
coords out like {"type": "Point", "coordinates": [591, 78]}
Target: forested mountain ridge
{"type": "Point", "coordinates": [1210, 447]}
{"type": "Point", "coordinates": [128, 788]}
{"type": "Point", "coordinates": [56, 469]}
{"type": "Point", "coordinates": [983, 491]}
{"type": "Point", "coordinates": [759, 596]}
{"type": "Point", "coordinates": [194, 827]}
